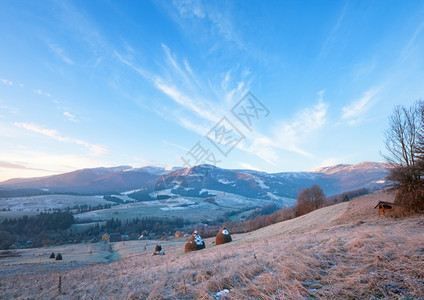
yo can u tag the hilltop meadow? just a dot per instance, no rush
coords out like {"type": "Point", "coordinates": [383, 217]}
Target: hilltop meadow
{"type": "Point", "coordinates": [339, 251]}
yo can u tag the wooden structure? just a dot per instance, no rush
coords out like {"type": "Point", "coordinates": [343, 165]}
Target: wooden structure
{"type": "Point", "coordinates": [384, 207]}
{"type": "Point", "coordinates": [106, 238]}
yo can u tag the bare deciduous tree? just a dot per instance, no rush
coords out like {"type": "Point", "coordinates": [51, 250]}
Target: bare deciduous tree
{"type": "Point", "coordinates": [309, 200]}
{"type": "Point", "coordinates": [402, 141]}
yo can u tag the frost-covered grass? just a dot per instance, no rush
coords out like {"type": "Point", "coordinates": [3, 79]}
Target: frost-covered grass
{"type": "Point", "coordinates": [34, 203]}
{"type": "Point", "coordinates": [158, 208]}
{"type": "Point", "coordinates": [338, 252]}
{"type": "Point", "coordinates": [192, 208]}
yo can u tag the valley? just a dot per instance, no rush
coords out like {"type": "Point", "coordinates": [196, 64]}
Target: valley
{"type": "Point", "coordinates": [177, 198]}
{"type": "Point", "coordinates": [340, 251]}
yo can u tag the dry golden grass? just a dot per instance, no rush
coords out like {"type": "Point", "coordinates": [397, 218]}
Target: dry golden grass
{"type": "Point", "coordinates": [342, 251]}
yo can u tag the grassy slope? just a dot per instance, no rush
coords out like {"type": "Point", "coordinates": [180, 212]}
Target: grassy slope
{"type": "Point", "coordinates": [342, 251]}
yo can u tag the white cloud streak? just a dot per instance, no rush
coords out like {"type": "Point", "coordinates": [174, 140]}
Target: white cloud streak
{"type": "Point", "coordinates": [181, 84]}
{"type": "Point", "coordinates": [54, 134]}
{"type": "Point", "coordinates": [411, 42]}
{"type": "Point", "coordinates": [6, 81]}
{"type": "Point", "coordinates": [331, 39]}
{"type": "Point", "coordinates": [70, 116]}
{"type": "Point", "coordinates": [61, 53]}
{"type": "Point", "coordinates": [354, 112]}
{"type": "Point", "coordinates": [9, 109]}
{"type": "Point", "coordinates": [218, 17]}
{"type": "Point", "coordinates": [35, 164]}
{"type": "Point", "coordinates": [178, 86]}
{"type": "Point", "coordinates": [9, 165]}
{"type": "Point", "coordinates": [289, 134]}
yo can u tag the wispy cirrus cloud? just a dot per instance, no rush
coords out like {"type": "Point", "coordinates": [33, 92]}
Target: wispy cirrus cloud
{"type": "Point", "coordinates": [412, 40]}
{"type": "Point", "coordinates": [181, 84]}
{"type": "Point", "coordinates": [288, 135]}
{"type": "Point", "coordinates": [10, 109]}
{"type": "Point", "coordinates": [61, 53]}
{"type": "Point", "coordinates": [70, 116]}
{"type": "Point", "coordinates": [354, 112]}
{"type": "Point", "coordinates": [27, 163]}
{"type": "Point", "coordinates": [40, 92]}
{"type": "Point", "coordinates": [6, 81]}
{"type": "Point", "coordinates": [81, 26]}
{"type": "Point", "coordinates": [204, 103]}
{"type": "Point", "coordinates": [332, 37]}
{"type": "Point", "coordinates": [185, 88]}
{"type": "Point", "coordinates": [54, 134]}
{"type": "Point", "coordinates": [219, 20]}
{"type": "Point", "coordinates": [9, 165]}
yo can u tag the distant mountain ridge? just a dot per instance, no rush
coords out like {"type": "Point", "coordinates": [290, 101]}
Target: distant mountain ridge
{"type": "Point", "coordinates": [95, 180]}
{"type": "Point", "coordinates": [205, 179]}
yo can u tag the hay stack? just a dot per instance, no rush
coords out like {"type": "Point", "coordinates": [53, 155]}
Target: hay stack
{"type": "Point", "coordinates": [194, 243]}
{"type": "Point", "coordinates": [59, 256]}
{"type": "Point", "coordinates": [158, 250]}
{"type": "Point", "coordinates": [223, 236]}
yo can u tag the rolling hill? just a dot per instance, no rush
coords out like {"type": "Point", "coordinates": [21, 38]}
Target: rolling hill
{"type": "Point", "coordinates": [203, 180]}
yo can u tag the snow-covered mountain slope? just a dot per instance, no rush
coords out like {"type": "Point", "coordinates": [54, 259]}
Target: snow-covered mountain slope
{"type": "Point", "coordinates": [153, 170]}
{"type": "Point", "coordinates": [191, 181]}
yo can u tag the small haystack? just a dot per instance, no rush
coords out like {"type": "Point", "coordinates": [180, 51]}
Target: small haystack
{"type": "Point", "coordinates": [59, 256]}
{"type": "Point", "coordinates": [223, 236]}
{"type": "Point", "coordinates": [194, 243]}
{"type": "Point", "coordinates": [52, 255]}
{"type": "Point", "coordinates": [158, 250]}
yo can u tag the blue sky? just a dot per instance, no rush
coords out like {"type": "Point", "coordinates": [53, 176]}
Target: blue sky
{"type": "Point", "coordinates": [106, 83]}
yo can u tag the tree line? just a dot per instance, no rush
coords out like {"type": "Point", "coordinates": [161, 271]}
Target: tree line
{"type": "Point", "coordinates": [45, 227]}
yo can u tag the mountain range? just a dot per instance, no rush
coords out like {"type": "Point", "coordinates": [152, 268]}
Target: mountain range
{"type": "Point", "coordinates": [204, 180]}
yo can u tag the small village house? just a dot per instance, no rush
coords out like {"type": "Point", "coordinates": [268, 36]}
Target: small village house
{"type": "Point", "coordinates": [105, 237]}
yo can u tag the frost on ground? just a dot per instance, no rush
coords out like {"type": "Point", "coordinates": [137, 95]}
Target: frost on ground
{"type": "Point", "coordinates": [342, 251]}
{"type": "Point", "coordinates": [261, 183]}
{"type": "Point", "coordinates": [34, 203]}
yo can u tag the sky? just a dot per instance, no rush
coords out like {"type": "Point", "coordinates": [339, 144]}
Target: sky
{"type": "Point", "coordinates": [266, 85]}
